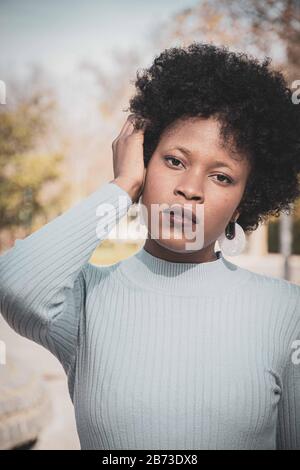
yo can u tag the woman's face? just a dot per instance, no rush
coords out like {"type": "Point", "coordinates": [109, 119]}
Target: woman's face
{"type": "Point", "coordinates": [193, 181]}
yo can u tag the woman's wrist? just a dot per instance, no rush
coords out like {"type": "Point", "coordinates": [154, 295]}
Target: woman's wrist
{"type": "Point", "coordinates": [133, 189]}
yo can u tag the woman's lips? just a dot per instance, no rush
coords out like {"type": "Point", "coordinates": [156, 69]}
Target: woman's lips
{"type": "Point", "coordinates": [185, 213]}
{"type": "Point", "coordinates": [177, 220]}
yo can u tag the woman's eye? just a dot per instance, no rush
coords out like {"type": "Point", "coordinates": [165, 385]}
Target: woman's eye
{"type": "Point", "coordinates": [173, 159]}
{"type": "Point", "coordinates": [229, 181]}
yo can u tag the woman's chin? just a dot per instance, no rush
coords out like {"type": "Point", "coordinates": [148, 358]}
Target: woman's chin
{"type": "Point", "coordinates": [178, 246]}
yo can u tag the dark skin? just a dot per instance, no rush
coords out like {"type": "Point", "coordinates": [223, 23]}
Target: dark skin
{"type": "Point", "coordinates": [192, 180]}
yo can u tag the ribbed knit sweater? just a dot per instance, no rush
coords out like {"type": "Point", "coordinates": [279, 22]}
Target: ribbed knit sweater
{"type": "Point", "coordinates": [158, 354]}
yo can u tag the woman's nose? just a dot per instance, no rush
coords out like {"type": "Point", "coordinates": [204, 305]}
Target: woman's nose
{"type": "Point", "coordinates": [190, 190]}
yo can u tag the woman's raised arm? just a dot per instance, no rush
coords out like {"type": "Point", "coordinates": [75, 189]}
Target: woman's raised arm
{"type": "Point", "coordinates": [42, 281]}
{"type": "Point", "coordinates": [42, 278]}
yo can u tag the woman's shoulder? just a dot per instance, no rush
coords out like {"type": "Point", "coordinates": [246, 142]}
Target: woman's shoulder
{"type": "Point", "coordinates": [270, 284]}
{"type": "Point", "coordinates": [275, 288]}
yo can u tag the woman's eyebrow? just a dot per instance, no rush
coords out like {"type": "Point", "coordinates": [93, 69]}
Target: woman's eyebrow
{"type": "Point", "coordinates": [219, 163]}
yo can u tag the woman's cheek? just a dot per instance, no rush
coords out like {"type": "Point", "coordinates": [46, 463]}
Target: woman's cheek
{"type": "Point", "coordinates": [151, 186]}
{"type": "Point", "coordinates": [216, 217]}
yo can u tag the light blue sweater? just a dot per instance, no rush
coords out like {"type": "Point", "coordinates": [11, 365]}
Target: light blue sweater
{"type": "Point", "coordinates": [158, 355]}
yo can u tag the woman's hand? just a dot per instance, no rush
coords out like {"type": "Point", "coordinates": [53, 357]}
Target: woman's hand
{"type": "Point", "coordinates": [128, 159]}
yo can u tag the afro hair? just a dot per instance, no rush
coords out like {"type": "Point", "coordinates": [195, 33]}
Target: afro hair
{"type": "Point", "coordinates": [253, 105]}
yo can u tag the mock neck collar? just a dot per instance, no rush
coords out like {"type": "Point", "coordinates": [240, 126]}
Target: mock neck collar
{"type": "Point", "coordinates": [209, 278]}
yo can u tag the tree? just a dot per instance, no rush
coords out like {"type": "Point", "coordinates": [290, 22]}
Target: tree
{"type": "Point", "coordinates": [251, 26]}
{"type": "Point", "coordinates": [26, 165]}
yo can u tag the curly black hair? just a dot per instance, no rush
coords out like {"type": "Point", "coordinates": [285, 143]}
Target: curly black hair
{"type": "Point", "coordinates": [253, 104]}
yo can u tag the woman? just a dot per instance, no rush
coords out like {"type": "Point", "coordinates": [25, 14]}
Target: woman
{"type": "Point", "coordinates": [176, 347]}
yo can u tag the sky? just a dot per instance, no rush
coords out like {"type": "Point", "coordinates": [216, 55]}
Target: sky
{"type": "Point", "coordinates": [61, 33]}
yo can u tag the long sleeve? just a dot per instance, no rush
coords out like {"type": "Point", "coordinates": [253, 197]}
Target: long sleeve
{"type": "Point", "coordinates": [288, 420]}
{"type": "Point", "coordinates": [42, 277]}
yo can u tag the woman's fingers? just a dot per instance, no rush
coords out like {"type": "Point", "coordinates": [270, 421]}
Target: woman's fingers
{"type": "Point", "coordinates": [127, 126]}
{"type": "Point", "coordinates": [128, 156]}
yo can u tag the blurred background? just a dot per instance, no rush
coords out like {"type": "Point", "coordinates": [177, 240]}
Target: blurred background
{"type": "Point", "coordinates": [67, 71]}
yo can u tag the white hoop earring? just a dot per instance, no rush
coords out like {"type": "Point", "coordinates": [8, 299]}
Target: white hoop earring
{"type": "Point", "coordinates": [233, 241]}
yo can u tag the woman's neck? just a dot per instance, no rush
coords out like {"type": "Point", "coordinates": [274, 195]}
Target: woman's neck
{"type": "Point", "coordinates": [152, 273]}
{"type": "Point", "coordinates": [205, 255]}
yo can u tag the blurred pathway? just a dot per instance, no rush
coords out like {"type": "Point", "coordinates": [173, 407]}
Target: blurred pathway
{"type": "Point", "coordinates": [61, 432]}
